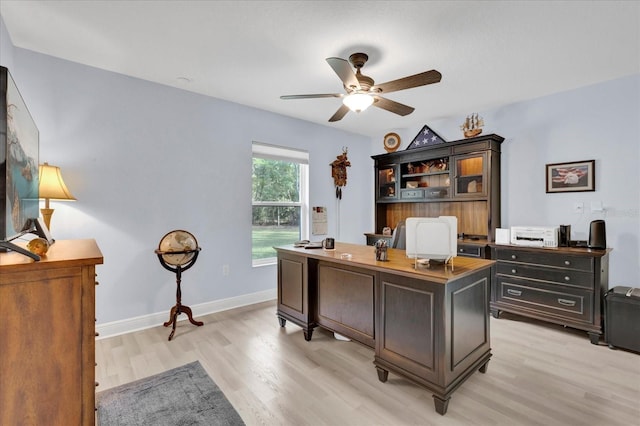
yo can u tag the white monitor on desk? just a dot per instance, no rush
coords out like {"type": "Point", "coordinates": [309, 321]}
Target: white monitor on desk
{"type": "Point", "coordinates": [434, 238]}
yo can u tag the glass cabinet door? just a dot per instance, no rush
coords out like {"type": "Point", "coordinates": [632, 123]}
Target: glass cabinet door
{"type": "Point", "coordinates": [470, 175]}
{"type": "Point", "coordinates": [387, 183]}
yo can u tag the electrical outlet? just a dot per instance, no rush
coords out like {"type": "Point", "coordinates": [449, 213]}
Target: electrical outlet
{"type": "Point", "coordinates": [225, 270]}
{"type": "Point", "coordinates": [578, 207]}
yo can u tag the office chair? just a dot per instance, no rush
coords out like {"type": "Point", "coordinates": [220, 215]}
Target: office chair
{"type": "Point", "coordinates": [399, 237]}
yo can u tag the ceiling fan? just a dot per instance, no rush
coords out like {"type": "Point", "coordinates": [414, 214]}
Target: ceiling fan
{"type": "Point", "coordinates": [361, 90]}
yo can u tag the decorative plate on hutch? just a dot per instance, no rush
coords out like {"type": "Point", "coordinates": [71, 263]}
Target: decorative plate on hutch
{"type": "Point", "coordinates": [391, 142]}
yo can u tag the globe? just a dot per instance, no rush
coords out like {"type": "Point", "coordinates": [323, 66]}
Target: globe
{"type": "Point", "coordinates": [179, 241]}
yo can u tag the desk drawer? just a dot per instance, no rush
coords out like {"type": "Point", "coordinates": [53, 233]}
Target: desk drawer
{"type": "Point", "coordinates": [560, 276]}
{"type": "Point", "coordinates": [553, 259]}
{"type": "Point", "coordinates": [436, 192]}
{"type": "Point", "coordinates": [411, 193]}
{"type": "Point", "coordinates": [470, 251]}
{"type": "Point", "coordinates": [561, 301]}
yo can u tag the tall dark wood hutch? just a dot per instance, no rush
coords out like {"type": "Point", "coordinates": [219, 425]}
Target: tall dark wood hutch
{"type": "Point", "coordinates": [459, 178]}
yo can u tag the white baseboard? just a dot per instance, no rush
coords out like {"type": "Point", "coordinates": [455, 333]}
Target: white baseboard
{"type": "Point", "coordinates": [129, 325]}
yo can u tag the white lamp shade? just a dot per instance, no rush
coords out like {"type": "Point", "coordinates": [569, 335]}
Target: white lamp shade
{"type": "Point", "coordinates": [51, 185]}
{"type": "Point", "coordinates": [358, 101]}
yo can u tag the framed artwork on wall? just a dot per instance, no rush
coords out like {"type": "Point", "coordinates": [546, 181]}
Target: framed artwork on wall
{"type": "Point", "coordinates": [19, 144]}
{"type": "Point", "coordinates": [576, 176]}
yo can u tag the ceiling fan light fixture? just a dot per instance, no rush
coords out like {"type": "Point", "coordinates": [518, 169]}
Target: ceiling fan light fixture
{"type": "Point", "coordinates": [358, 101]}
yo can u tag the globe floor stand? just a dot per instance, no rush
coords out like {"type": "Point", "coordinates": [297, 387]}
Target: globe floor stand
{"type": "Point", "coordinates": [179, 308]}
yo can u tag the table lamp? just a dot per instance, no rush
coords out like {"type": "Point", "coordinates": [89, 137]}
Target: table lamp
{"type": "Point", "coordinates": [51, 187]}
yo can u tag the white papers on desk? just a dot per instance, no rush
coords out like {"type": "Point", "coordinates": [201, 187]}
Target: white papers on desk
{"type": "Point", "coordinates": [319, 221]}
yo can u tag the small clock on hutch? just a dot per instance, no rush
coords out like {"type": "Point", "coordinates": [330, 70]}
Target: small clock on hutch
{"type": "Point", "coordinates": [391, 142]}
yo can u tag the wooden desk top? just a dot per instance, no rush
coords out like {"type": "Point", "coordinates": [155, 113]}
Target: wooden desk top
{"type": "Point", "coordinates": [363, 256]}
{"type": "Point", "coordinates": [69, 252]}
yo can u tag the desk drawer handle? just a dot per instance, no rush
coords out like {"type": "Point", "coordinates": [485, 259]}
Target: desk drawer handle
{"type": "Point", "coordinates": [514, 271]}
{"type": "Point", "coordinates": [513, 292]}
{"type": "Point", "coordinates": [513, 256]}
{"type": "Point", "coordinates": [566, 302]}
{"type": "Point", "coordinates": [567, 278]}
{"type": "Point", "coordinates": [566, 262]}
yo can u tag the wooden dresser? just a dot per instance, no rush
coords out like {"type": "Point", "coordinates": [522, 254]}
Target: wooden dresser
{"type": "Point", "coordinates": [561, 285]}
{"type": "Point", "coordinates": [47, 335]}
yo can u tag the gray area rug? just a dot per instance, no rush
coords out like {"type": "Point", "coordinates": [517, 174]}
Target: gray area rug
{"type": "Point", "coordinates": [183, 396]}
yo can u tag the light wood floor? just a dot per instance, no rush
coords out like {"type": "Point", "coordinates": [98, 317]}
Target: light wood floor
{"type": "Point", "coordinates": [539, 374]}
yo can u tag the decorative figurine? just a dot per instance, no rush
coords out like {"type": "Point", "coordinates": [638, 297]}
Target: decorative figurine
{"type": "Point", "coordinates": [39, 246]}
{"type": "Point", "coordinates": [472, 126]}
{"type": "Point", "coordinates": [390, 176]}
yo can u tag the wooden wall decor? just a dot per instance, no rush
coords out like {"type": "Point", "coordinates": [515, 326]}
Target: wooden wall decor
{"type": "Point", "coordinates": [339, 171]}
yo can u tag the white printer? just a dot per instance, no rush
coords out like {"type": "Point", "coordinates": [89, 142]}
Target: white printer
{"type": "Point", "coordinates": [534, 236]}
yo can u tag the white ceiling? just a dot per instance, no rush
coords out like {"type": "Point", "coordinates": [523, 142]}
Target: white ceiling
{"type": "Point", "coordinates": [490, 53]}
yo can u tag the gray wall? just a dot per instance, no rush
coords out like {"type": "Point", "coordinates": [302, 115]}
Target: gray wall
{"type": "Point", "coordinates": [6, 47]}
{"type": "Point", "coordinates": [144, 159]}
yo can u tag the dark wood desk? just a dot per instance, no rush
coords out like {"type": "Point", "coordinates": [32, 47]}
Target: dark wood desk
{"type": "Point", "coordinates": [430, 326]}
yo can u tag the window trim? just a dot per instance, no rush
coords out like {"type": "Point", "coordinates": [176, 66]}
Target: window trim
{"type": "Point", "coordinates": [282, 153]}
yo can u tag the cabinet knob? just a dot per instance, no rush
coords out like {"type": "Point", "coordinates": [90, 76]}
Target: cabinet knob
{"type": "Point", "coordinates": [97, 334]}
{"type": "Point", "coordinates": [513, 256]}
{"type": "Point", "coordinates": [461, 250]}
{"type": "Point", "coordinates": [513, 271]}
{"type": "Point", "coordinates": [567, 278]}
{"type": "Point", "coordinates": [97, 283]}
{"type": "Point", "coordinates": [566, 262]}
{"type": "Point", "coordinates": [97, 384]}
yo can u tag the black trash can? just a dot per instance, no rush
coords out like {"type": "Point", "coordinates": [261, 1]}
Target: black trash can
{"type": "Point", "coordinates": [622, 318]}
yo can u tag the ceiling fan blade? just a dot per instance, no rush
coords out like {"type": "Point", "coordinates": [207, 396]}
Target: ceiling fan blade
{"type": "Point", "coordinates": [321, 95]}
{"type": "Point", "coordinates": [417, 80]}
{"type": "Point", "coordinates": [341, 112]}
{"type": "Point", "coordinates": [345, 72]}
{"type": "Point", "coordinates": [392, 106]}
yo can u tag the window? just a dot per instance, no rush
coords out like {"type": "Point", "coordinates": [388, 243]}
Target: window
{"type": "Point", "coordinates": [279, 200]}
